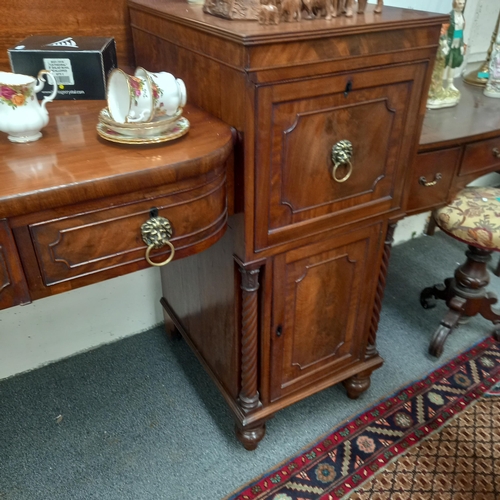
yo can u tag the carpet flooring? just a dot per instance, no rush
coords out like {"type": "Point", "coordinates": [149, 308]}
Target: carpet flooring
{"type": "Point", "coordinates": [140, 420]}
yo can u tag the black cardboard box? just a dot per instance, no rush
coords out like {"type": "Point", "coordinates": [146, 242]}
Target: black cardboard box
{"type": "Point", "coordinates": [80, 64]}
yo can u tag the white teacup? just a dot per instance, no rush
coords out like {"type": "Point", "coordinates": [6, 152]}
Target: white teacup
{"type": "Point", "coordinates": [130, 98]}
{"type": "Point", "coordinates": [169, 93]}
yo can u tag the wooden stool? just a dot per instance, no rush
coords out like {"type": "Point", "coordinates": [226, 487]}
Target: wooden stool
{"type": "Point", "coordinates": [473, 218]}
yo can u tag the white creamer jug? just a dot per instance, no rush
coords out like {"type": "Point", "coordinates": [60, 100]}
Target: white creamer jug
{"type": "Point", "coordinates": [21, 115]}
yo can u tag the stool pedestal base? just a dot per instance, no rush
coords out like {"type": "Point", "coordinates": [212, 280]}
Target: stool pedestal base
{"type": "Point", "coordinates": [465, 296]}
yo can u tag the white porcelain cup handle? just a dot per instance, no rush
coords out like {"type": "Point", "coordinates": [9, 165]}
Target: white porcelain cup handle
{"type": "Point", "coordinates": [41, 83]}
{"type": "Point", "coordinates": [131, 118]}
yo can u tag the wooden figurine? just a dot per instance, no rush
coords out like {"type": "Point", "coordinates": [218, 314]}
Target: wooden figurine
{"type": "Point", "coordinates": [269, 13]}
{"type": "Point", "coordinates": [362, 6]}
{"type": "Point", "coordinates": [318, 8]}
{"type": "Point", "coordinates": [291, 10]}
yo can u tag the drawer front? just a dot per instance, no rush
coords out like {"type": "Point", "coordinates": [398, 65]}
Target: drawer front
{"type": "Point", "coordinates": [13, 287]}
{"type": "Point", "coordinates": [298, 126]}
{"type": "Point", "coordinates": [322, 302]}
{"type": "Point", "coordinates": [110, 239]}
{"type": "Point", "coordinates": [431, 178]}
{"type": "Point", "coordinates": [482, 156]}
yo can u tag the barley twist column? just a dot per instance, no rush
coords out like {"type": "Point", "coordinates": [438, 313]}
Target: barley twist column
{"type": "Point", "coordinates": [371, 350]}
{"type": "Point", "coordinates": [249, 394]}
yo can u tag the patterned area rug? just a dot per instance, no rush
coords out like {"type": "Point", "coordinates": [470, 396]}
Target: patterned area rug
{"type": "Point", "coordinates": [363, 459]}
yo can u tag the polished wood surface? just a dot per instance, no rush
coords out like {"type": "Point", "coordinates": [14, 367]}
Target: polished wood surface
{"type": "Point", "coordinates": [300, 271]}
{"type": "Point", "coordinates": [72, 163]}
{"type": "Point", "coordinates": [457, 145]}
{"type": "Point", "coordinates": [107, 18]}
{"type": "Point", "coordinates": [72, 204]}
{"type": "Point", "coordinates": [475, 117]}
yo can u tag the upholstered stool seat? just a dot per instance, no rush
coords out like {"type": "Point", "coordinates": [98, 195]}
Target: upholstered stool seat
{"type": "Point", "coordinates": [473, 217]}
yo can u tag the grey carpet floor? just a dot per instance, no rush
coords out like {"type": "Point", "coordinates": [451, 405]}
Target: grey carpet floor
{"type": "Point", "coordinates": [139, 419]}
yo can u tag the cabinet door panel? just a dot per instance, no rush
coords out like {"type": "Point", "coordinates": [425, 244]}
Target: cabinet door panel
{"type": "Point", "coordinates": [323, 297]}
{"type": "Point", "coordinates": [376, 111]}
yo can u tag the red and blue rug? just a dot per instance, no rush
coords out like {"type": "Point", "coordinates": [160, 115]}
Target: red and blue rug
{"type": "Point", "coordinates": [342, 461]}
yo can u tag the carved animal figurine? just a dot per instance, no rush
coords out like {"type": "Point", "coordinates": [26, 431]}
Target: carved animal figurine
{"type": "Point", "coordinates": [362, 6]}
{"type": "Point", "coordinates": [291, 10]}
{"type": "Point", "coordinates": [318, 8]}
{"type": "Point", "coordinates": [268, 13]}
{"type": "Point", "coordinates": [342, 7]}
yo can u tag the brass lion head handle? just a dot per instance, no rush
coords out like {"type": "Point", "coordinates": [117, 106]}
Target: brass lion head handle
{"type": "Point", "coordinates": [156, 233]}
{"type": "Point", "coordinates": [341, 155]}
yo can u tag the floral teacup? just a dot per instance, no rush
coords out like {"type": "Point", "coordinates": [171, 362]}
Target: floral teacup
{"type": "Point", "coordinates": [169, 93]}
{"type": "Point", "coordinates": [129, 98]}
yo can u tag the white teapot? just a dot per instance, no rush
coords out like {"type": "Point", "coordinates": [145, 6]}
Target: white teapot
{"type": "Point", "coordinates": [21, 115]}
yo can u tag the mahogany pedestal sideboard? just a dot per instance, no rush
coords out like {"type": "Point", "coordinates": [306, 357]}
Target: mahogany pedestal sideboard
{"type": "Point", "coordinates": [72, 204]}
{"type": "Point", "coordinates": [328, 115]}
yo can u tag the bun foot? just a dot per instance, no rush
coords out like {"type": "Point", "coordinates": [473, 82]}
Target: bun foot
{"type": "Point", "coordinates": [355, 386]}
{"type": "Point", "coordinates": [250, 438]}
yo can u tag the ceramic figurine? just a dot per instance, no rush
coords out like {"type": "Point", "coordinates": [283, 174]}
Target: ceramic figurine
{"type": "Point", "coordinates": [443, 93]}
{"type": "Point", "coordinates": [492, 88]}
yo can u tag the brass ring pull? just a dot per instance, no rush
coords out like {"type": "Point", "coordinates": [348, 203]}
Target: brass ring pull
{"type": "Point", "coordinates": [496, 152]}
{"type": "Point", "coordinates": [346, 176]}
{"type": "Point", "coordinates": [156, 233]}
{"type": "Point", "coordinates": [424, 182]}
{"type": "Point", "coordinates": [166, 261]}
{"type": "Point", "coordinates": [341, 155]}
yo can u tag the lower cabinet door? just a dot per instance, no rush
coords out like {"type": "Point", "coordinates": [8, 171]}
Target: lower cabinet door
{"type": "Point", "coordinates": [322, 305]}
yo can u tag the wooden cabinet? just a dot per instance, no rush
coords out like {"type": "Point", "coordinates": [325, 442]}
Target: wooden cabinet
{"type": "Point", "coordinates": [292, 293]}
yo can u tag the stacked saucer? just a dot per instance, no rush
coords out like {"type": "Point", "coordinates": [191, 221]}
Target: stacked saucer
{"type": "Point", "coordinates": [144, 108]}
{"type": "Point", "coordinates": [160, 129]}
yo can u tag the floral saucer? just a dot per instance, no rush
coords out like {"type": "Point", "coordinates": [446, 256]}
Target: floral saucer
{"type": "Point", "coordinates": [157, 127]}
{"type": "Point", "coordinates": [177, 129]}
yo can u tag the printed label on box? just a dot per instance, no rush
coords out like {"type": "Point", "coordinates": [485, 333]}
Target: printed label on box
{"type": "Point", "coordinates": [61, 69]}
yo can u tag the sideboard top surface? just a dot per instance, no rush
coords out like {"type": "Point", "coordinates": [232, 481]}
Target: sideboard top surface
{"type": "Point", "coordinates": [475, 117]}
{"type": "Point", "coordinates": [71, 163]}
{"type": "Point", "coordinates": [251, 32]}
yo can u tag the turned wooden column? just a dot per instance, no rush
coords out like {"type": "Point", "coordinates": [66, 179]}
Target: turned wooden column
{"type": "Point", "coordinates": [371, 349]}
{"type": "Point", "coordinates": [248, 399]}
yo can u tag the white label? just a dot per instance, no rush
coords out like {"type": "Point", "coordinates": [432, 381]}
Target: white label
{"type": "Point", "coordinates": [61, 69]}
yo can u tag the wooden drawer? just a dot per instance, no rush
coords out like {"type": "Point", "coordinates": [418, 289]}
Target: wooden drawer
{"type": "Point", "coordinates": [13, 287]}
{"type": "Point", "coordinates": [481, 156]}
{"type": "Point", "coordinates": [431, 178]}
{"type": "Point", "coordinates": [298, 125]}
{"type": "Point", "coordinates": [109, 239]}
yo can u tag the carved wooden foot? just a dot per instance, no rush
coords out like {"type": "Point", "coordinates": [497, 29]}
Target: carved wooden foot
{"type": "Point", "coordinates": [250, 437]}
{"type": "Point", "coordinates": [430, 295]}
{"type": "Point", "coordinates": [357, 384]}
{"type": "Point", "coordinates": [445, 328]}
